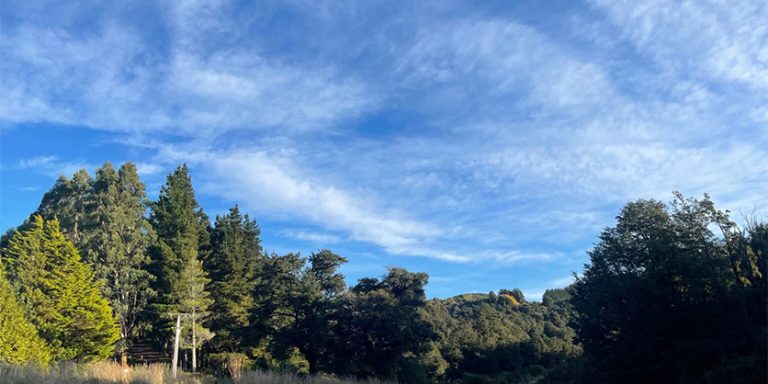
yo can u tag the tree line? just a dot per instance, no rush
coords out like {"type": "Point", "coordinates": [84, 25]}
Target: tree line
{"type": "Point", "coordinates": [99, 267]}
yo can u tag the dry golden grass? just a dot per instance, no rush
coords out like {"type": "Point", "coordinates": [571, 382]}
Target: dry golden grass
{"type": "Point", "coordinates": [113, 373]}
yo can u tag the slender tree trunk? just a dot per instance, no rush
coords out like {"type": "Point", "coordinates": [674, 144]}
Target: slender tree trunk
{"type": "Point", "coordinates": [176, 345]}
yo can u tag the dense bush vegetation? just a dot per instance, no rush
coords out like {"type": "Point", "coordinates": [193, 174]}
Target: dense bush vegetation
{"type": "Point", "coordinates": [664, 299]}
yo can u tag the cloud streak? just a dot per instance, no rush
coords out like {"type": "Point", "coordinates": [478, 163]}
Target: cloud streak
{"type": "Point", "coordinates": [466, 137]}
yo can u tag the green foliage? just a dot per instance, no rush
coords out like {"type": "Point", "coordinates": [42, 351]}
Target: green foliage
{"type": "Point", "coordinates": [232, 265]}
{"type": "Point", "coordinates": [555, 296]}
{"type": "Point", "coordinates": [665, 300]}
{"type": "Point", "coordinates": [19, 341]}
{"type": "Point", "coordinates": [60, 294]}
{"type": "Point", "coordinates": [193, 302]}
{"type": "Point", "coordinates": [380, 328]}
{"type": "Point", "coordinates": [105, 218]}
{"type": "Point", "coordinates": [323, 269]}
{"type": "Point", "coordinates": [320, 284]}
{"type": "Point", "coordinates": [183, 238]}
{"type": "Point", "coordinates": [70, 201]}
{"type": "Point", "coordinates": [179, 223]}
{"type": "Point", "coordinates": [117, 243]}
{"type": "Point", "coordinates": [497, 341]}
{"type": "Point", "coordinates": [474, 296]}
{"type": "Point", "coordinates": [277, 283]}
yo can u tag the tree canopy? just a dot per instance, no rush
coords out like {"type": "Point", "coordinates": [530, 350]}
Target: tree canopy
{"type": "Point", "coordinates": [60, 294]}
{"type": "Point", "coordinates": [665, 299]}
{"type": "Point", "coordinates": [673, 293]}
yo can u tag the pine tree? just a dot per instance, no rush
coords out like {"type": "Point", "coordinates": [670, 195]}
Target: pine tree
{"type": "Point", "coordinates": [19, 341]}
{"type": "Point", "coordinates": [235, 257]}
{"type": "Point", "coordinates": [182, 238]}
{"type": "Point", "coordinates": [60, 293]}
{"type": "Point", "coordinates": [193, 302]}
{"type": "Point", "coordinates": [178, 222]}
{"type": "Point", "coordinates": [117, 246]}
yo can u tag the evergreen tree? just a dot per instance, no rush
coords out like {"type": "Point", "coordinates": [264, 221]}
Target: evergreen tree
{"type": "Point", "coordinates": [193, 302]}
{"type": "Point", "coordinates": [19, 341]}
{"type": "Point", "coordinates": [182, 239]}
{"type": "Point", "coordinates": [236, 255]}
{"type": "Point", "coordinates": [117, 246]}
{"type": "Point", "coordinates": [176, 220]}
{"type": "Point", "coordinates": [60, 294]}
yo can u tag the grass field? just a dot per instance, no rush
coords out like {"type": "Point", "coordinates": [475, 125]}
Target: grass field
{"type": "Point", "coordinates": [103, 373]}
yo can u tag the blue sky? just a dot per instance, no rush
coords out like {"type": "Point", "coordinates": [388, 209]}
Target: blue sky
{"type": "Point", "coordinates": [486, 143]}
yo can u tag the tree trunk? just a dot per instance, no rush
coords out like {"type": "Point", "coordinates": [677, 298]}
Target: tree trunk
{"type": "Point", "coordinates": [176, 345]}
{"type": "Point", "coordinates": [124, 360]}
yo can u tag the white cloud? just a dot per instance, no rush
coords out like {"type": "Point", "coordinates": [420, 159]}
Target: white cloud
{"type": "Point", "coordinates": [146, 169]}
{"type": "Point", "coordinates": [507, 59]}
{"type": "Point", "coordinates": [525, 135]}
{"type": "Point", "coordinates": [53, 166]}
{"type": "Point", "coordinates": [621, 171]}
{"type": "Point", "coordinates": [271, 184]}
{"type": "Point", "coordinates": [314, 237]}
{"type": "Point", "coordinates": [36, 162]}
{"type": "Point", "coordinates": [234, 90]}
{"type": "Point", "coordinates": [267, 182]}
{"type": "Point", "coordinates": [718, 40]}
{"type": "Point", "coordinates": [141, 87]}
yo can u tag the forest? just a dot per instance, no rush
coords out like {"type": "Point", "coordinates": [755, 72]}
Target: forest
{"type": "Point", "coordinates": [673, 293]}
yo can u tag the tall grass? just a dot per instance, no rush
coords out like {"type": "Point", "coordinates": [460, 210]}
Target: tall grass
{"type": "Point", "coordinates": [113, 373]}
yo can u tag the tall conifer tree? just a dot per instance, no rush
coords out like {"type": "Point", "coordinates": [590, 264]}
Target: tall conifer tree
{"type": "Point", "coordinates": [19, 341]}
{"type": "Point", "coordinates": [177, 220]}
{"type": "Point", "coordinates": [60, 293]}
{"type": "Point", "coordinates": [235, 257]}
{"type": "Point", "coordinates": [182, 236]}
{"type": "Point", "coordinates": [193, 302]}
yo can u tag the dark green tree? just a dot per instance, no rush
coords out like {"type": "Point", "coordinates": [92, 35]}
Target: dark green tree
{"type": "Point", "coordinates": [118, 240]}
{"type": "Point", "coordinates": [662, 300]}
{"type": "Point", "coordinates": [60, 294]}
{"type": "Point", "coordinates": [380, 330]}
{"type": "Point", "coordinates": [176, 218]}
{"type": "Point", "coordinates": [321, 283]}
{"type": "Point", "coordinates": [235, 258]}
{"type": "Point", "coordinates": [182, 235]}
{"type": "Point", "coordinates": [278, 283]}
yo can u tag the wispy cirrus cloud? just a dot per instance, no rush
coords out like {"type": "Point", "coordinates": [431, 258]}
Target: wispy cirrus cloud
{"type": "Point", "coordinates": [37, 161]}
{"type": "Point", "coordinates": [49, 164]}
{"type": "Point", "coordinates": [67, 78]}
{"type": "Point", "coordinates": [313, 237]}
{"type": "Point", "coordinates": [720, 41]}
{"type": "Point", "coordinates": [451, 131]}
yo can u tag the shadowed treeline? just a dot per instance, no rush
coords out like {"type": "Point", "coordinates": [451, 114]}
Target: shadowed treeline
{"type": "Point", "coordinates": [673, 293]}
